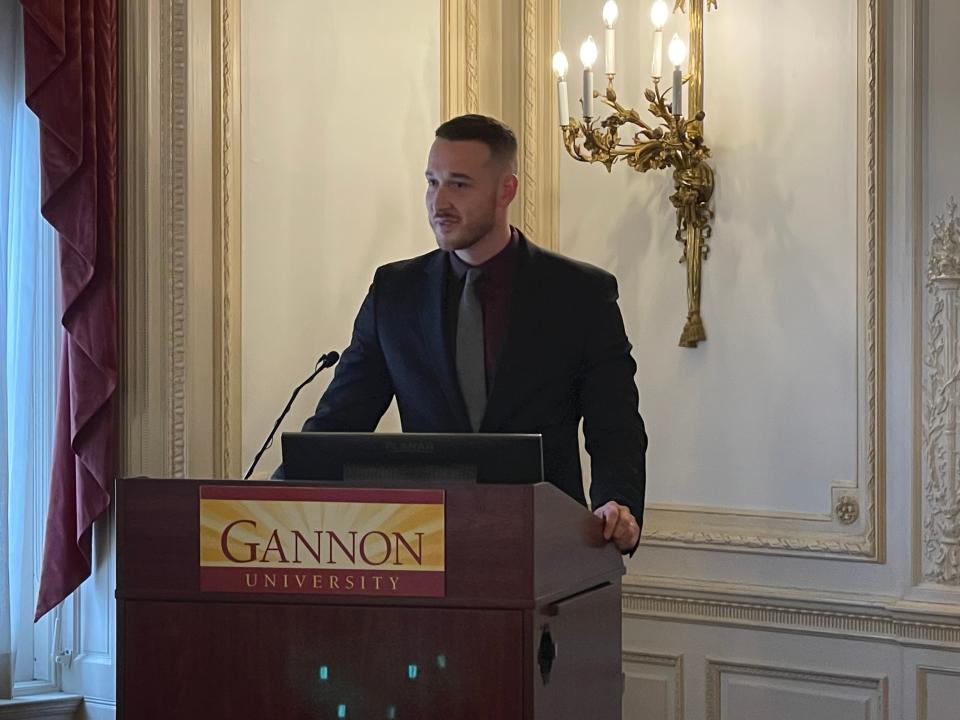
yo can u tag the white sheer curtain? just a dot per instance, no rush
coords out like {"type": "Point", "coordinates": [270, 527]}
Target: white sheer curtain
{"type": "Point", "coordinates": [29, 335]}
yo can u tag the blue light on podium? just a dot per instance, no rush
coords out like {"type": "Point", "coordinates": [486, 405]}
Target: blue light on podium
{"type": "Point", "coordinates": [341, 711]}
{"type": "Point", "coordinates": [442, 662]}
{"type": "Point", "coordinates": [391, 713]}
{"type": "Point", "coordinates": [324, 672]}
{"type": "Point", "coordinates": [412, 672]}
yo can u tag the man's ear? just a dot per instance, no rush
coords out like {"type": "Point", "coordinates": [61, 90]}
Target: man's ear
{"type": "Point", "coordinates": [508, 189]}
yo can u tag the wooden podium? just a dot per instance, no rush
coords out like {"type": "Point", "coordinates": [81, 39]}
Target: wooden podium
{"type": "Point", "coordinates": [528, 626]}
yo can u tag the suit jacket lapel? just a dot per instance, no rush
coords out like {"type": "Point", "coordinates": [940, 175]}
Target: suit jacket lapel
{"type": "Point", "coordinates": [522, 330]}
{"type": "Point", "coordinates": [434, 335]}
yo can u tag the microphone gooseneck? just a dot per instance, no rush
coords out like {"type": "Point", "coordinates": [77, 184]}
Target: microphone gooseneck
{"type": "Point", "coordinates": [325, 361]}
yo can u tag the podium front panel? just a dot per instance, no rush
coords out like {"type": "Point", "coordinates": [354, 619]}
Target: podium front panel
{"type": "Point", "coordinates": [252, 661]}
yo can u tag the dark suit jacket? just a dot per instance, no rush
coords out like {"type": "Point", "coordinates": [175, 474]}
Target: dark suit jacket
{"type": "Point", "coordinates": [565, 357]}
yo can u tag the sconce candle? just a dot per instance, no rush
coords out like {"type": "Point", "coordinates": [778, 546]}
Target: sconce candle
{"type": "Point", "coordinates": [610, 14]}
{"type": "Point", "coordinates": [658, 15]}
{"type": "Point", "coordinates": [588, 56]}
{"type": "Point", "coordinates": [560, 66]}
{"type": "Point", "coordinates": [678, 53]}
{"type": "Point", "coordinates": [656, 69]}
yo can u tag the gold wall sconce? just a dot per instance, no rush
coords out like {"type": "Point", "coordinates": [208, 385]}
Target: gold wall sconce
{"type": "Point", "coordinates": [676, 142]}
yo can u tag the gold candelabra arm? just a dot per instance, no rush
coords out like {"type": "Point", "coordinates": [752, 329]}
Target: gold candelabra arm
{"type": "Point", "coordinates": [652, 147]}
{"type": "Point", "coordinates": [623, 115]}
{"type": "Point", "coordinates": [589, 143]}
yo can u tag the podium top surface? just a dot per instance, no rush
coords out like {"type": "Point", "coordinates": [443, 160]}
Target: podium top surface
{"type": "Point", "coordinates": [504, 546]}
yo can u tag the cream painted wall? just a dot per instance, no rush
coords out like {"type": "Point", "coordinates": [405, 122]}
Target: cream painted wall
{"type": "Point", "coordinates": [764, 414]}
{"type": "Point", "coordinates": [340, 101]}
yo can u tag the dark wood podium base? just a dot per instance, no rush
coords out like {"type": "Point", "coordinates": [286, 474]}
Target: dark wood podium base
{"type": "Point", "coordinates": [528, 629]}
{"type": "Point", "coordinates": [258, 662]}
{"type": "Point", "coordinates": [232, 661]}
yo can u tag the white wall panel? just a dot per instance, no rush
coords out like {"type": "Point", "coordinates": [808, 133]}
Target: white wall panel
{"type": "Point", "coordinates": [742, 674]}
{"type": "Point", "coordinates": [764, 414]}
{"type": "Point", "coordinates": [741, 691]}
{"type": "Point", "coordinates": [938, 693]}
{"type": "Point", "coordinates": [653, 683]}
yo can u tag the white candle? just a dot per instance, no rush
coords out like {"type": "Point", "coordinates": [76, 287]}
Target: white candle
{"type": "Point", "coordinates": [656, 68]}
{"type": "Point", "coordinates": [609, 52]}
{"type": "Point", "coordinates": [588, 56]}
{"type": "Point", "coordinates": [587, 93]}
{"type": "Point", "coordinates": [562, 103]}
{"type": "Point", "coordinates": [678, 53]}
{"type": "Point", "coordinates": [560, 67]}
{"type": "Point", "coordinates": [658, 16]}
{"type": "Point", "coordinates": [610, 14]}
{"type": "Point", "coordinates": [677, 91]}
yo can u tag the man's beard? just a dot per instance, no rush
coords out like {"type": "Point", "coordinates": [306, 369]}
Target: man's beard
{"type": "Point", "coordinates": [462, 235]}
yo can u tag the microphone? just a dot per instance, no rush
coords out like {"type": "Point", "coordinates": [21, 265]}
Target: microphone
{"type": "Point", "coordinates": [324, 362]}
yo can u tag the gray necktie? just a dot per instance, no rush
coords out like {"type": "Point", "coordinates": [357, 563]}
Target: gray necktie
{"type": "Point", "coordinates": [470, 366]}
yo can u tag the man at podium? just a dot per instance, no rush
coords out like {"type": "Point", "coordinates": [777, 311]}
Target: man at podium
{"type": "Point", "coordinates": [489, 333]}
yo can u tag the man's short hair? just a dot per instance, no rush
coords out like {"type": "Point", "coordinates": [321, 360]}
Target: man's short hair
{"type": "Point", "coordinates": [491, 132]}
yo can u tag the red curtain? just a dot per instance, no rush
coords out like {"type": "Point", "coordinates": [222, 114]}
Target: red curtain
{"type": "Point", "coordinates": [70, 51]}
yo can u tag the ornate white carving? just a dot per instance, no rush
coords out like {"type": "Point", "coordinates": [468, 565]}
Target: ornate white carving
{"type": "Point", "coordinates": [473, 57]}
{"type": "Point", "coordinates": [847, 510]}
{"type": "Point", "coordinates": [531, 101]}
{"type": "Point", "coordinates": [873, 326]}
{"type": "Point", "coordinates": [226, 137]}
{"type": "Point", "coordinates": [540, 146]}
{"type": "Point", "coordinates": [173, 148]}
{"type": "Point", "coordinates": [228, 412]}
{"type": "Point", "coordinates": [860, 618]}
{"type": "Point", "coordinates": [803, 542]}
{"type": "Point", "coordinates": [941, 405]}
{"type": "Point", "coordinates": [459, 57]}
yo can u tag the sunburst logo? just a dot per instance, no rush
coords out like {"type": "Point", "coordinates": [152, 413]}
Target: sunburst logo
{"type": "Point", "coordinates": [322, 540]}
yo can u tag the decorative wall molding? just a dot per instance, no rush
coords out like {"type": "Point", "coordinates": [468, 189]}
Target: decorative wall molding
{"type": "Point", "coordinates": [173, 170]}
{"type": "Point", "coordinates": [871, 195]}
{"type": "Point", "coordinates": [531, 107]}
{"type": "Point", "coordinates": [459, 57]}
{"type": "Point", "coordinates": [941, 405]}
{"type": "Point", "coordinates": [540, 137]}
{"type": "Point", "coordinates": [716, 669]}
{"type": "Point", "coordinates": [849, 616]}
{"type": "Point", "coordinates": [672, 662]}
{"type": "Point", "coordinates": [831, 533]}
{"type": "Point", "coordinates": [180, 401]}
{"type": "Point", "coordinates": [227, 254]}
{"type": "Point", "coordinates": [472, 57]}
{"type": "Point", "coordinates": [145, 252]}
